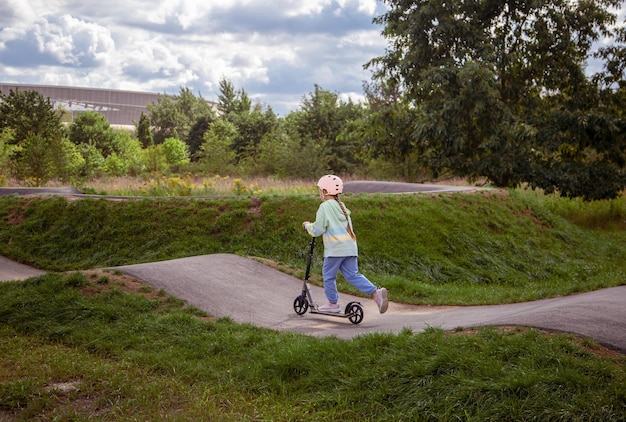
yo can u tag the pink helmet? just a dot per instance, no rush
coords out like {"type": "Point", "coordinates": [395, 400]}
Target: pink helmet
{"type": "Point", "coordinates": [331, 183]}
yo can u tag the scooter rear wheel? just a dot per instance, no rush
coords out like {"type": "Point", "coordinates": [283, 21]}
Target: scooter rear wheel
{"type": "Point", "coordinates": [355, 310]}
{"type": "Point", "coordinates": [300, 304]}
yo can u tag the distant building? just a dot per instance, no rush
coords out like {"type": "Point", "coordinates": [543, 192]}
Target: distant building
{"type": "Point", "coordinates": [121, 108]}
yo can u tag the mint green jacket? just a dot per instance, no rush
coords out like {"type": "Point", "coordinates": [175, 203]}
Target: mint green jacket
{"type": "Point", "coordinates": [332, 225]}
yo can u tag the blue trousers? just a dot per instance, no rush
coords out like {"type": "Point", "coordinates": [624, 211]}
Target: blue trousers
{"type": "Point", "coordinates": [349, 267]}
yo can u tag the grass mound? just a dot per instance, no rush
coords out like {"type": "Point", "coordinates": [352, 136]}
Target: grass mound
{"type": "Point", "coordinates": [464, 248]}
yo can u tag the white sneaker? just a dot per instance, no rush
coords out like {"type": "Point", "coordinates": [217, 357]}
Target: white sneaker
{"type": "Point", "coordinates": [330, 307]}
{"type": "Point", "coordinates": [380, 297]}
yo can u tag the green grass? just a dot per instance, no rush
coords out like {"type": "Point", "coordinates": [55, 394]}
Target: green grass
{"type": "Point", "coordinates": [138, 355]}
{"type": "Point", "coordinates": [466, 248]}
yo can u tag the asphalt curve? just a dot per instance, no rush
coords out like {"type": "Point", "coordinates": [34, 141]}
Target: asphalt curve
{"type": "Point", "coordinates": [248, 291]}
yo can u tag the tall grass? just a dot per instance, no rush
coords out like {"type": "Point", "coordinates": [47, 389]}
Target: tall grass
{"type": "Point", "coordinates": [188, 185]}
{"type": "Point", "coordinates": [100, 351]}
{"type": "Point", "coordinates": [604, 215]}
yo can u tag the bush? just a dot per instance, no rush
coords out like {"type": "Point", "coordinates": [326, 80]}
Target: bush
{"type": "Point", "coordinates": [176, 151]}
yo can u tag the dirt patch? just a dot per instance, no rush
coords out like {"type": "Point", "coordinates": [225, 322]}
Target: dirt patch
{"type": "Point", "coordinates": [14, 218]}
{"type": "Point", "coordinates": [103, 281]}
{"type": "Point", "coordinates": [528, 213]}
{"type": "Point", "coordinates": [255, 206]}
{"type": "Point", "coordinates": [591, 347]}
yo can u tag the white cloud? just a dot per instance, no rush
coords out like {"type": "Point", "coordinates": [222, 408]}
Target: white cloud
{"type": "Point", "coordinates": [275, 50]}
{"type": "Point", "coordinates": [15, 13]}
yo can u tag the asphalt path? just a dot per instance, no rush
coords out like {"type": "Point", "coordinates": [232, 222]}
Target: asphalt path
{"type": "Point", "coordinates": [39, 191]}
{"type": "Point", "coordinates": [11, 270]}
{"type": "Point", "coordinates": [247, 291]}
{"type": "Point", "coordinates": [366, 186]}
{"type": "Point", "coordinates": [349, 187]}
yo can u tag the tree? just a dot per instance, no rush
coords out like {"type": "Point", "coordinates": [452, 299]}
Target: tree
{"type": "Point", "coordinates": [126, 158]}
{"type": "Point", "coordinates": [283, 154]}
{"type": "Point", "coordinates": [322, 118]}
{"type": "Point", "coordinates": [144, 133]}
{"type": "Point", "coordinates": [176, 151]}
{"type": "Point", "coordinates": [385, 131]}
{"type": "Point", "coordinates": [92, 163]}
{"type": "Point", "coordinates": [231, 101]}
{"type": "Point", "coordinates": [252, 126]}
{"type": "Point", "coordinates": [226, 99]}
{"type": "Point", "coordinates": [37, 135]}
{"type": "Point", "coordinates": [216, 153]}
{"type": "Point", "coordinates": [91, 127]}
{"type": "Point", "coordinates": [174, 116]}
{"type": "Point", "coordinates": [196, 135]}
{"type": "Point", "coordinates": [7, 150]}
{"type": "Point", "coordinates": [251, 122]}
{"type": "Point", "coordinates": [154, 159]}
{"type": "Point", "coordinates": [486, 79]}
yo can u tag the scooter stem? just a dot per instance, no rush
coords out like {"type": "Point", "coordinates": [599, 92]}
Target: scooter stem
{"type": "Point", "coordinates": [308, 264]}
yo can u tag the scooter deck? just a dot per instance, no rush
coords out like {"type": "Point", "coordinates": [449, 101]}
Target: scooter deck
{"type": "Point", "coordinates": [335, 314]}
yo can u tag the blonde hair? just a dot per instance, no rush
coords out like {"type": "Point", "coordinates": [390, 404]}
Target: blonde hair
{"type": "Point", "coordinates": [345, 212]}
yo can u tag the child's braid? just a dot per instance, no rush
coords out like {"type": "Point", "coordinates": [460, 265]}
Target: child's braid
{"type": "Point", "coordinates": [345, 212]}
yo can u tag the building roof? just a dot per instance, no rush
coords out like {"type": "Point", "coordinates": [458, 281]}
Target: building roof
{"type": "Point", "coordinates": [121, 108]}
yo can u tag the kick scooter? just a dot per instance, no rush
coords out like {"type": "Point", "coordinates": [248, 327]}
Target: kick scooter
{"type": "Point", "coordinates": [304, 302]}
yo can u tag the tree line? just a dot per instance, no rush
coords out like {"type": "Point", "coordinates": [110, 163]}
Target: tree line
{"type": "Point", "coordinates": [495, 90]}
{"type": "Point", "coordinates": [181, 133]}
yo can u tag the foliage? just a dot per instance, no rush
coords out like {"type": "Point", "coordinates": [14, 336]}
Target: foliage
{"type": "Point", "coordinates": [174, 116]}
{"type": "Point", "coordinates": [176, 151]}
{"type": "Point", "coordinates": [252, 127]}
{"type": "Point", "coordinates": [386, 132]}
{"type": "Point", "coordinates": [614, 59]}
{"type": "Point", "coordinates": [488, 80]}
{"type": "Point", "coordinates": [144, 134]}
{"type": "Point", "coordinates": [7, 150]}
{"type": "Point", "coordinates": [37, 163]}
{"type": "Point", "coordinates": [196, 136]}
{"type": "Point", "coordinates": [154, 159]}
{"type": "Point", "coordinates": [583, 154]}
{"type": "Point", "coordinates": [92, 163]}
{"type": "Point", "coordinates": [74, 162]}
{"type": "Point", "coordinates": [321, 119]}
{"type": "Point", "coordinates": [232, 101]}
{"type": "Point", "coordinates": [216, 154]}
{"type": "Point", "coordinates": [127, 155]}
{"type": "Point", "coordinates": [250, 122]}
{"type": "Point", "coordinates": [28, 113]}
{"type": "Point", "coordinates": [91, 127]}
{"type": "Point", "coordinates": [282, 153]}
{"type": "Point", "coordinates": [36, 133]}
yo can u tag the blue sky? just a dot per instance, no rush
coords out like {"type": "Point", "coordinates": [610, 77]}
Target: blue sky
{"type": "Point", "coordinates": [276, 50]}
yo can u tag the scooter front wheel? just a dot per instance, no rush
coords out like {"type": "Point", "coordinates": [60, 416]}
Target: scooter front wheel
{"type": "Point", "coordinates": [355, 312]}
{"type": "Point", "coordinates": [300, 304]}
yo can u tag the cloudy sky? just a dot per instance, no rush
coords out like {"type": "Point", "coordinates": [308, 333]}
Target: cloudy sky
{"type": "Point", "coordinates": [276, 50]}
